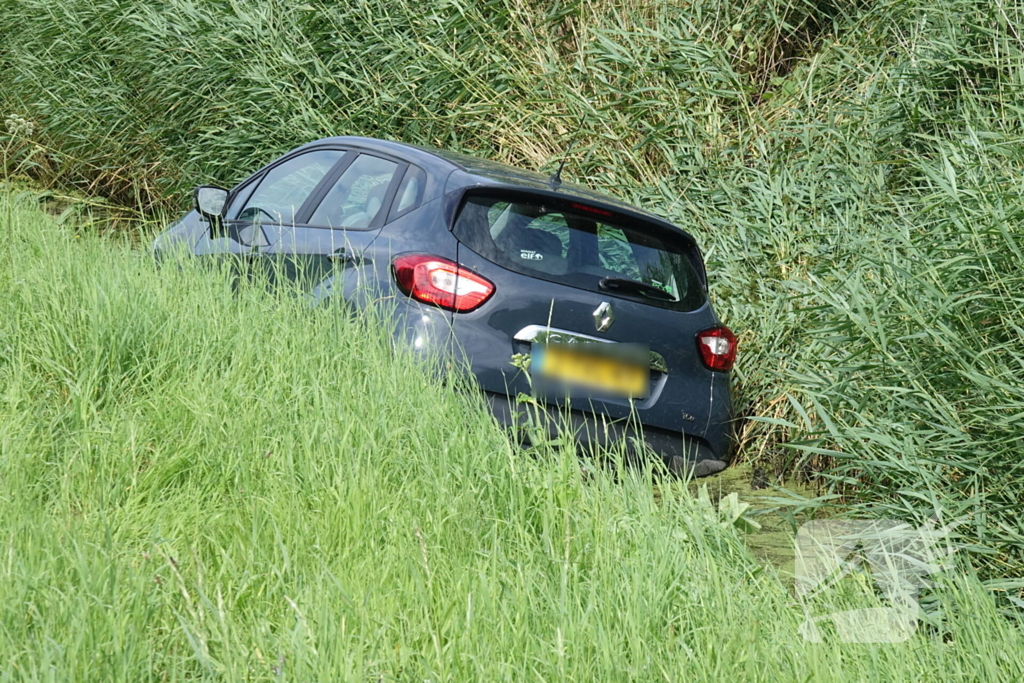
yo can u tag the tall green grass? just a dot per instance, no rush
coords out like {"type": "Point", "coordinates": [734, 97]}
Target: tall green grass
{"type": "Point", "coordinates": [206, 482]}
{"type": "Point", "coordinates": [850, 168]}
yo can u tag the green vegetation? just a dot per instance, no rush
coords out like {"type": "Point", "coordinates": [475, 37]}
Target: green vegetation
{"type": "Point", "coordinates": [851, 169]}
{"type": "Point", "coordinates": [205, 485]}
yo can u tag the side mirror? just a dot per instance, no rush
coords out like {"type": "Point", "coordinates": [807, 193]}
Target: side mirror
{"type": "Point", "coordinates": [209, 201]}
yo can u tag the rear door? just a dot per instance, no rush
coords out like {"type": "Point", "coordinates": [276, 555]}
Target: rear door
{"type": "Point", "coordinates": [569, 271]}
{"type": "Point", "coordinates": [259, 209]}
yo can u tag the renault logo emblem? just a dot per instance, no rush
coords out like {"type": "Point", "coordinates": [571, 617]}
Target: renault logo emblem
{"type": "Point", "coordinates": [603, 317]}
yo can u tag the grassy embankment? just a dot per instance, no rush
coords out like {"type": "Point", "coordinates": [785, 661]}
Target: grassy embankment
{"type": "Point", "coordinates": [199, 485]}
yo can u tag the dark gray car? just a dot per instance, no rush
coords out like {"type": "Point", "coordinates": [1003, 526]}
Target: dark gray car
{"type": "Point", "coordinates": [489, 262]}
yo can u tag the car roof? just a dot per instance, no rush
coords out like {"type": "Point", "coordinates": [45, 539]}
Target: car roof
{"type": "Point", "coordinates": [484, 171]}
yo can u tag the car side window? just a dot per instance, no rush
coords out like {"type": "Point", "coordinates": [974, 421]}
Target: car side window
{"type": "Point", "coordinates": [357, 198]}
{"type": "Point", "coordinates": [239, 199]}
{"type": "Point", "coordinates": [285, 187]}
{"type": "Point", "coordinates": [410, 192]}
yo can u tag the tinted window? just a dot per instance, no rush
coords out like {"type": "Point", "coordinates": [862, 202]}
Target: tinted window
{"type": "Point", "coordinates": [410, 192]}
{"type": "Point", "coordinates": [239, 199]}
{"type": "Point", "coordinates": [357, 198]}
{"type": "Point", "coordinates": [566, 242]}
{"type": "Point", "coordinates": [286, 186]}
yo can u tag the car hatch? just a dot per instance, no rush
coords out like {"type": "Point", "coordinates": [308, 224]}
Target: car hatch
{"type": "Point", "coordinates": [567, 272]}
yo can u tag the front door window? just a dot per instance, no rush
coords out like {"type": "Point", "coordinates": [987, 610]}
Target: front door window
{"type": "Point", "coordinates": [286, 187]}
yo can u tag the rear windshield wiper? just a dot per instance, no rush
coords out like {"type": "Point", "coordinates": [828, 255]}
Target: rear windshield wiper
{"type": "Point", "coordinates": [627, 286]}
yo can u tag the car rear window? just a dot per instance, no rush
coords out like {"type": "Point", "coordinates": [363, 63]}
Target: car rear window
{"type": "Point", "coordinates": [582, 246]}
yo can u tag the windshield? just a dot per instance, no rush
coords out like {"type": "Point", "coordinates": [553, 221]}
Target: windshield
{"type": "Point", "coordinates": [582, 246]}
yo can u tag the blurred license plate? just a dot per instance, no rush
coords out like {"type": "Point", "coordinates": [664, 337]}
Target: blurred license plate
{"type": "Point", "coordinates": [615, 369]}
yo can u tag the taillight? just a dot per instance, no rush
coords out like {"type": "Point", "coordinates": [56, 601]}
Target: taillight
{"type": "Point", "coordinates": [438, 281]}
{"type": "Point", "coordinates": [717, 348]}
{"type": "Point", "coordinates": [592, 209]}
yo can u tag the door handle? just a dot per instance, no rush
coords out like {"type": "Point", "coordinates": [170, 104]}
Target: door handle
{"type": "Point", "coordinates": [344, 256]}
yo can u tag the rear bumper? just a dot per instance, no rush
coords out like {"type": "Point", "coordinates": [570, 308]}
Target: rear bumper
{"type": "Point", "coordinates": [681, 453]}
{"type": "Point", "coordinates": [427, 331]}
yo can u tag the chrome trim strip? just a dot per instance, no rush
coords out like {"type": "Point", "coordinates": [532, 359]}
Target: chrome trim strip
{"type": "Point", "coordinates": [540, 333]}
